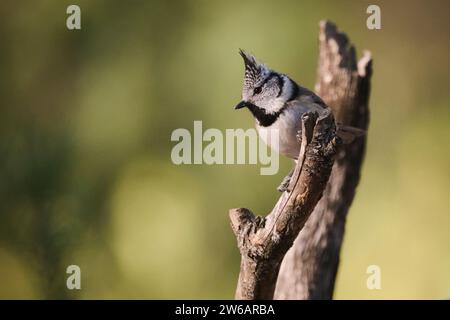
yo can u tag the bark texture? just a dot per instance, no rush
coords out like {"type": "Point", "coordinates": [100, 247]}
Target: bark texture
{"type": "Point", "coordinates": [309, 269]}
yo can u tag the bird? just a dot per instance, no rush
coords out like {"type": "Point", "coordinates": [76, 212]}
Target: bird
{"type": "Point", "coordinates": [277, 102]}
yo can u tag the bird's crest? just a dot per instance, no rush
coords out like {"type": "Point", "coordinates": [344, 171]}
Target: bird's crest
{"type": "Point", "coordinates": [255, 71]}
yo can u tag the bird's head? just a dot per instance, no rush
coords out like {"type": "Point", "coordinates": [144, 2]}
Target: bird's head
{"type": "Point", "coordinates": [263, 88]}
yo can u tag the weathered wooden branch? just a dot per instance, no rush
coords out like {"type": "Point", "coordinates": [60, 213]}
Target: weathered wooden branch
{"type": "Point", "coordinates": [309, 268]}
{"type": "Point", "coordinates": [263, 242]}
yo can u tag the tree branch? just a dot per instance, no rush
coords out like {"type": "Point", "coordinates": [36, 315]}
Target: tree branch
{"type": "Point", "coordinates": [263, 242]}
{"type": "Point", "coordinates": [309, 269]}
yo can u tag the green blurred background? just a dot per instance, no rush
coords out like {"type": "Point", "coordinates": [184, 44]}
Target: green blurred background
{"type": "Point", "coordinates": [86, 117]}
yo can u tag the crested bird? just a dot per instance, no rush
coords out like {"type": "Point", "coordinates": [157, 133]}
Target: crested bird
{"type": "Point", "coordinates": [277, 103]}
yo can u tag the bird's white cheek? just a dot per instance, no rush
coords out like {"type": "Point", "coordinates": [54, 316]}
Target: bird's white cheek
{"type": "Point", "coordinates": [273, 105]}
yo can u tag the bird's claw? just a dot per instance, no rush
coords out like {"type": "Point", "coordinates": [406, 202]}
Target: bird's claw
{"type": "Point", "coordinates": [299, 135]}
{"type": "Point", "coordinates": [284, 186]}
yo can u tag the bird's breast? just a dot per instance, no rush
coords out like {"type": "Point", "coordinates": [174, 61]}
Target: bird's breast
{"type": "Point", "coordinates": [284, 130]}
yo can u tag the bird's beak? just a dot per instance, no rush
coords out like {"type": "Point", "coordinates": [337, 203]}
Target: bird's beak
{"type": "Point", "coordinates": [241, 105]}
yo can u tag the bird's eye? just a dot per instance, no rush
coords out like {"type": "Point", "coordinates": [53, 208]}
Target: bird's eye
{"type": "Point", "coordinates": [257, 90]}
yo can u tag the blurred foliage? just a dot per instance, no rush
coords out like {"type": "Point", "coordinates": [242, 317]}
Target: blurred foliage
{"type": "Point", "coordinates": [86, 118]}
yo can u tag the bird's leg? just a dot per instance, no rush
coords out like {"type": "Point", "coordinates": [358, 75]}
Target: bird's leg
{"type": "Point", "coordinates": [284, 186]}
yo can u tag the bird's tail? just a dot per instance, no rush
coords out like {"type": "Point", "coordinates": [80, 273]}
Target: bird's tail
{"type": "Point", "coordinates": [348, 134]}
